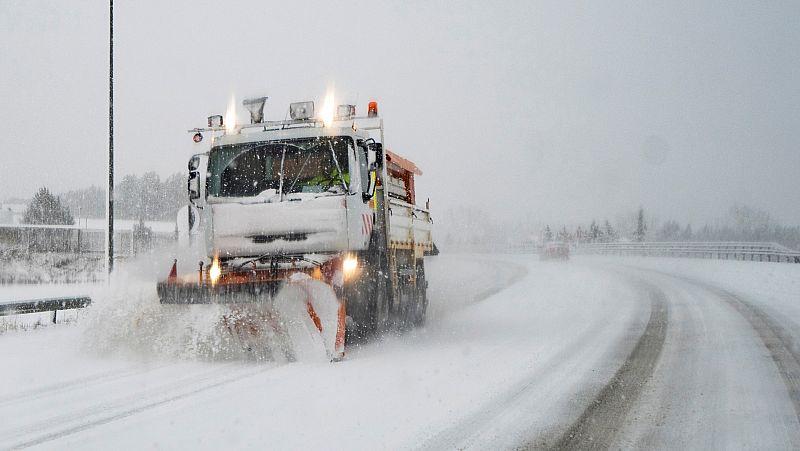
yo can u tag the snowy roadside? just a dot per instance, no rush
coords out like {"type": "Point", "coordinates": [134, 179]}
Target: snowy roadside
{"type": "Point", "coordinates": [772, 284]}
{"type": "Point", "coordinates": [46, 268]}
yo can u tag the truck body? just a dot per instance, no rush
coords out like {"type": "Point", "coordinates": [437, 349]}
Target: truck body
{"type": "Point", "coordinates": [324, 199]}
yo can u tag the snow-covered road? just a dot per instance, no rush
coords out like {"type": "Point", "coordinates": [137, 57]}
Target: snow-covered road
{"type": "Point", "coordinates": [517, 353]}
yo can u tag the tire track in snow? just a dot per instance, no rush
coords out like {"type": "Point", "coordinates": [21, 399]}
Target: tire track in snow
{"type": "Point", "coordinates": [477, 430]}
{"type": "Point", "coordinates": [597, 426]}
{"type": "Point", "coordinates": [69, 413]}
{"type": "Point", "coordinates": [778, 341]}
{"type": "Point", "coordinates": [126, 407]}
{"type": "Point", "coordinates": [103, 377]}
{"type": "Point", "coordinates": [459, 435]}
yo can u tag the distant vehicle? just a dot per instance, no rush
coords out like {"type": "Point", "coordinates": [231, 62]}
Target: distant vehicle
{"type": "Point", "coordinates": [555, 250]}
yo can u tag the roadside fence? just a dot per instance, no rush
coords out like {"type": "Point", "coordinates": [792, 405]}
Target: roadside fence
{"type": "Point", "coordinates": [727, 250]}
{"type": "Point", "coordinates": [30, 238]}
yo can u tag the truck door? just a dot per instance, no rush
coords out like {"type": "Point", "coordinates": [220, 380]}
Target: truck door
{"type": "Point", "coordinates": [360, 217]}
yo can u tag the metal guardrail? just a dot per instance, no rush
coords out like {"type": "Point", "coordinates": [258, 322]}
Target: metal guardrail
{"type": "Point", "coordinates": [44, 305]}
{"type": "Point", "coordinates": [729, 250]}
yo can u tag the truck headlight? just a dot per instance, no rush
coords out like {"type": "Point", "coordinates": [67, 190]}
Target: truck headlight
{"type": "Point", "coordinates": [214, 271]}
{"type": "Point", "coordinates": [349, 266]}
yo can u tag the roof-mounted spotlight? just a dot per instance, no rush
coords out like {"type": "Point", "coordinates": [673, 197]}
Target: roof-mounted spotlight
{"type": "Point", "coordinates": [197, 137]}
{"type": "Point", "coordinates": [301, 110]}
{"type": "Point", "coordinates": [256, 108]}
{"type": "Point", "coordinates": [215, 121]}
{"type": "Point", "coordinates": [345, 112]}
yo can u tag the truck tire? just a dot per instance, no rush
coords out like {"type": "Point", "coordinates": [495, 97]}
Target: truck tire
{"type": "Point", "coordinates": [420, 306]}
{"type": "Point", "coordinates": [367, 303]}
{"type": "Point", "coordinates": [379, 305]}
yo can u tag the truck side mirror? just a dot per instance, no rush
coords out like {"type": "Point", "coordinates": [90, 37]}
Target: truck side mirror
{"type": "Point", "coordinates": [194, 178]}
{"type": "Point", "coordinates": [376, 153]}
{"type": "Point", "coordinates": [194, 186]}
{"type": "Point", "coordinates": [373, 182]}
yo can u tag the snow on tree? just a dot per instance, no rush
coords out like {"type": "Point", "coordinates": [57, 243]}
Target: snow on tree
{"type": "Point", "coordinates": [580, 235]}
{"type": "Point", "coordinates": [594, 232]}
{"type": "Point", "coordinates": [641, 226]}
{"type": "Point", "coordinates": [564, 235]}
{"type": "Point", "coordinates": [45, 208]}
{"type": "Point", "coordinates": [609, 232]}
{"type": "Point", "coordinates": [548, 234]}
{"type": "Point", "coordinates": [750, 223]}
{"type": "Point", "coordinates": [146, 197]}
{"type": "Point", "coordinates": [87, 202]}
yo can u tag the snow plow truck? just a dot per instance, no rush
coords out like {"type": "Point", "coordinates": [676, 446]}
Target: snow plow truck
{"type": "Point", "coordinates": [310, 229]}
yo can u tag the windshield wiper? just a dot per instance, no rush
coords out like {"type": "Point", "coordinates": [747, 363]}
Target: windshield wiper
{"type": "Point", "coordinates": [338, 168]}
{"type": "Point", "coordinates": [283, 158]}
{"type": "Point", "coordinates": [308, 157]}
{"type": "Point", "coordinates": [280, 183]}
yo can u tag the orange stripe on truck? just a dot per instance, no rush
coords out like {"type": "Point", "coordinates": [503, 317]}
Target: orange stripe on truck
{"type": "Point", "coordinates": [313, 314]}
{"type": "Point", "coordinates": [340, 330]}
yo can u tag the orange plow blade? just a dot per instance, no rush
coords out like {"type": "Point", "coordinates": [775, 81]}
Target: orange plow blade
{"type": "Point", "coordinates": [300, 318]}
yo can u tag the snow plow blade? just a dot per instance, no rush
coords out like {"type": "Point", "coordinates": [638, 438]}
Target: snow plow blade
{"type": "Point", "coordinates": [303, 312]}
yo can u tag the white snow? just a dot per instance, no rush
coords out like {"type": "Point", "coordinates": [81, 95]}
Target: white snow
{"type": "Point", "coordinates": [511, 349]}
{"type": "Point", "coordinates": [392, 393]}
{"type": "Point", "coordinates": [773, 285]}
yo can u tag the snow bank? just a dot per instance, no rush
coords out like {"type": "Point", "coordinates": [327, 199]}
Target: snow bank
{"type": "Point", "coordinates": [17, 267]}
{"type": "Point", "coordinates": [127, 317]}
{"type": "Point", "coordinates": [776, 285]}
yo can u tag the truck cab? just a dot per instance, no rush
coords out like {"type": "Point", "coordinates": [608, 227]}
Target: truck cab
{"type": "Point", "coordinates": [321, 197]}
{"type": "Point", "coordinates": [288, 192]}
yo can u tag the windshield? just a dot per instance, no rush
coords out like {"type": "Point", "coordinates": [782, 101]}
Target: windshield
{"type": "Point", "coordinates": [311, 165]}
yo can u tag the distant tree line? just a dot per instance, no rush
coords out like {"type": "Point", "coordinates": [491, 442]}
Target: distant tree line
{"type": "Point", "coordinates": [473, 228]}
{"type": "Point", "coordinates": [742, 223]}
{"type": "Point", "coordinates": [143, 198]}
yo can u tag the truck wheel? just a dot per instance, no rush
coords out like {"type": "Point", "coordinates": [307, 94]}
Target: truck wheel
{"type": "Point", "coordinates": [379, 303]}
{"type": "Point", "coordinates": [370, 306]}
{"type": "Point", "coordinates": [420, 297]}
{"type": "Point", "coordinates": [359, 293]}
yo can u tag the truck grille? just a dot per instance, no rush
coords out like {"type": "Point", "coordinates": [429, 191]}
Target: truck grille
{"type": "Point", "coordinates": [260, 239]}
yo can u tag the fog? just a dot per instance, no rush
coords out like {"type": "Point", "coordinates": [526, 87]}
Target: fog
{"type": "Point", "coordinates": [543, 111]}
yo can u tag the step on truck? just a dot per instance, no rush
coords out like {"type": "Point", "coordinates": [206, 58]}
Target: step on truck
{"type": "Point", "coordinates": [310, 229]}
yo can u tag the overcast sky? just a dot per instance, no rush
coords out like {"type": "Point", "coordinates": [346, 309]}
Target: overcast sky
{"type": "Point", "coordinates": [564, 111]}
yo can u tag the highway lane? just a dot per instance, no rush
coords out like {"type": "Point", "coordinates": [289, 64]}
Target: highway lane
{"type": "Point", "coordinates": [726, 377]}
{"type": "Point", "coordinates": [485, 335]}
{"type": "Point", "coordinates": [517, 354]}
{"type": "Point", "coordinates": [61, 383]}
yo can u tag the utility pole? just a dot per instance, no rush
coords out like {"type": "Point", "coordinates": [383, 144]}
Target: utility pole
{"type": "Point", "coordinates": [110, 192]}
